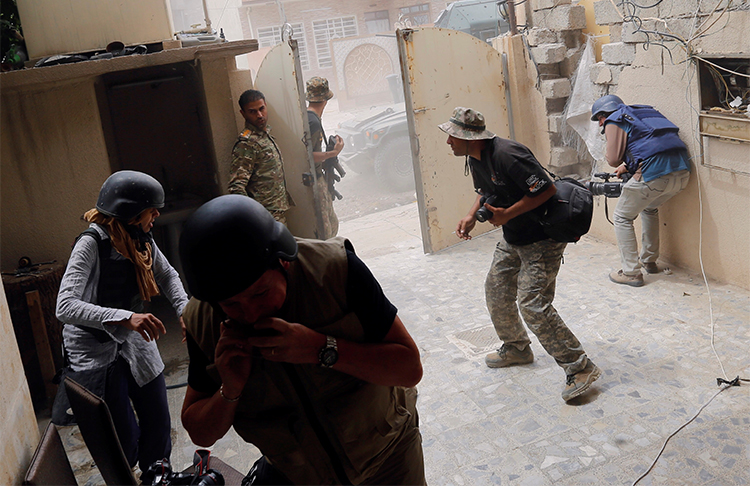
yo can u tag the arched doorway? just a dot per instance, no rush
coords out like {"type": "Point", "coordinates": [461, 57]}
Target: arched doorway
{"type": "Point", "coordinates": [365, 71]}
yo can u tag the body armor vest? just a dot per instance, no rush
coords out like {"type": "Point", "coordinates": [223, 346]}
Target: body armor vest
{"type": "Point", "coordinates": [118, 284]}
{"type": "Point", "coordinates": [652, 133]}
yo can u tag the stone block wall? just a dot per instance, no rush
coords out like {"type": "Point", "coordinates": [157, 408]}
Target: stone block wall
{"type": "Point", "coordinates": [556, 44]}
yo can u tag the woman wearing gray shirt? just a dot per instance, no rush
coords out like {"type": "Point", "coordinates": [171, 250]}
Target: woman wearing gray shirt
{"type": "Point", "coordinates": [115, 266]}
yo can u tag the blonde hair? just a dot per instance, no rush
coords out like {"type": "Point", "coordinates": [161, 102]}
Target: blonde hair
{"type": "Point", "coordinates": [126, 246]}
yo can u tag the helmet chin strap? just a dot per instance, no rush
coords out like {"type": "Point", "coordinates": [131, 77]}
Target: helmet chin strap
{"type": "Point", "coordinates": [138, 235]}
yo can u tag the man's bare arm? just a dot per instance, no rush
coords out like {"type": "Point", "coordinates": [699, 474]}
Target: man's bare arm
{"type": "Point", "coordinates": [394, 361]}
{"type": "Point", "coordinates": [207, 418]}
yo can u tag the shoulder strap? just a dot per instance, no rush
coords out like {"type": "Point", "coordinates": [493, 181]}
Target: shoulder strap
{"type": "Point", "coordinates": [90, 232]}
{"type": "Point", "coordinates": [555, 177]}
{"type": "Point", "coordinates": [105, 247]}
{"type": "Point", "coordinates": [323, 130]}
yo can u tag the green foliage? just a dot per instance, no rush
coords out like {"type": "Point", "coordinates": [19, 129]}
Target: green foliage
{"type": "Point", "coordinates": [9, 13]}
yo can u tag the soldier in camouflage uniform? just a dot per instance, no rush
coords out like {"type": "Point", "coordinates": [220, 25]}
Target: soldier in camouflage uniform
{"type": "Point", "coordinates": [525, 265]}
{"type": "Point", "coordinates": [257, 169]}
{"type": "Point", "coordinates": [317, 94]}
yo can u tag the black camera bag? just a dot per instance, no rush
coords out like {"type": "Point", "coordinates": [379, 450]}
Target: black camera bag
{"type": "Point", "coordinates": [568, 213]}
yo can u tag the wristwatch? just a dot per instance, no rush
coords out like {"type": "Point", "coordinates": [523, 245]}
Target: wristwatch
{"type": "Point", "coordinates": [329, 353]}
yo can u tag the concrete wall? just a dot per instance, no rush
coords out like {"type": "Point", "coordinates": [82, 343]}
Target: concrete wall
{"type": "Point", "coordinates": [672, 86]}
{"type": "Point", "coordinates": [18, 428]}
{"type": "Point", "coordinates": [54, 161]}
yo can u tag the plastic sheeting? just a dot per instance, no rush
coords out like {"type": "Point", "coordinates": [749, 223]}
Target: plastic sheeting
{"type": "Point", "coordinates": [578, 109]}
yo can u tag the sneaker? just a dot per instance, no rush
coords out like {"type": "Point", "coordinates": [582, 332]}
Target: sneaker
{"type": "Point", "coordinates": [577, 384]}
{"type": "Point", "coordinates": [632, 280]}
{"type": "Point", "coordinates": [509, 355]}
{"type": "Point", "coordinates": [650, 267]}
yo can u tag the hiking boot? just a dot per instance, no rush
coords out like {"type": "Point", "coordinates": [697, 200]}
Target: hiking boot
{"type": "Point", "coordinates": [650, 267]}
{"type": "Point", "coordinates": [577, 384]}
{"type": "Point", "coordinates": [509, 355]}
{"type": "Point", "coordinates": [632, 280]}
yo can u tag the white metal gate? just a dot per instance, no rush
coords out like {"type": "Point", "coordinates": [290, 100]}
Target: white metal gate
{"type": "Point", "coordinates": [443, 69]}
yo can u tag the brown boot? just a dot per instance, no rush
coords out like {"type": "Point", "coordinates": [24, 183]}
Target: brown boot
{"type": "Point", "coordinates": [632, 280]}
{"type": "Point", "coordinates": [509, 355]}
{"type": "Point", "coordinates": [577, 384]}
{"type": "Point", "coordinates": [650, 267]}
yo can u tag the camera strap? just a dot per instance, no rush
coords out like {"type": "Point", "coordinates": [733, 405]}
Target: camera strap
{"type": "Point", "coordinates": [606, 211]}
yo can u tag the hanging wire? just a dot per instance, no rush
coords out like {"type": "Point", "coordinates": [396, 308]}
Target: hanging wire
{"type": "Point", "coordinates": [222, 13]}
{"type": "Point", "coordinates": [722, 68]}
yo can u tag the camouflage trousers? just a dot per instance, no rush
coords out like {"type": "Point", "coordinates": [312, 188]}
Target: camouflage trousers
{"type": "Point", "coordinates": [523, 278]}
{"type": "Point", "coordinates": [330, 220]}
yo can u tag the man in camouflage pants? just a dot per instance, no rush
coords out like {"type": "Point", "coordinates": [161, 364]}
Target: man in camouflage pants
{"type": "Point", "coordinates": [526, 261]}
{"type": "Point", "coordinates": [317, 94]}
{"type": "Point", "coordinates": [257, 169]}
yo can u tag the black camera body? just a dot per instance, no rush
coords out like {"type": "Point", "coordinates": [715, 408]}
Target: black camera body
{"type": "Point", "coordinates": [160, 474]}
{"type": "Point", "coordinates": [483, 214]}
{"type": "Point", "coordinates": [606, 188]}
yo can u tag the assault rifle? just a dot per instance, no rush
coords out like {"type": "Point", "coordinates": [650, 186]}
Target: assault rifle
{"type": "Point", "coordinates": [330, 167]}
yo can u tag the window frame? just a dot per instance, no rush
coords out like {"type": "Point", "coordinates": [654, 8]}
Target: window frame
{"type": "Point", "coordinates": [298, 34]}
{"type": "Point", "coordinates": [408, 14]}
{"type": "Point", "coordinates": [378, 18]}
{"type": "Point", "coordinates": [323, 45]}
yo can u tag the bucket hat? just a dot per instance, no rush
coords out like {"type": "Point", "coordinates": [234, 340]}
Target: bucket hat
{"type": "Point", "coordinates": [466, 124]}
{"type": "Point", "coordinates": [317, 90]}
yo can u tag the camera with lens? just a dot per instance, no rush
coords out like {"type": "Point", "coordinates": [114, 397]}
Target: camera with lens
{"type": "Point", "coordinates": [160, 474]}
{"type": "Point", "coordinates": [483, 214]}
{"type": "Point", "coordinates": [606, 188]}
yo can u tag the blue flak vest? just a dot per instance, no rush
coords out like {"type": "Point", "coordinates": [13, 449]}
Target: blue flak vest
{"type": "Point", "coordinates": [651, 133]}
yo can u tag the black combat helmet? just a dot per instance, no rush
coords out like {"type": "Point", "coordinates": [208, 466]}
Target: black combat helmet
{"type": "Point", "coordinates": [228, 243]}
{"type": "Point", "coordinates": [605, 105]}
{"type": "Point", "coordinates": [125, 194]}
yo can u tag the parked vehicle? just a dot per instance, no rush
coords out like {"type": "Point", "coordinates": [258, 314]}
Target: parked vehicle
{"type": "Point", "coordinates": [484, 19]}
{"type": "Point", "coordinates": [379, 142]}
